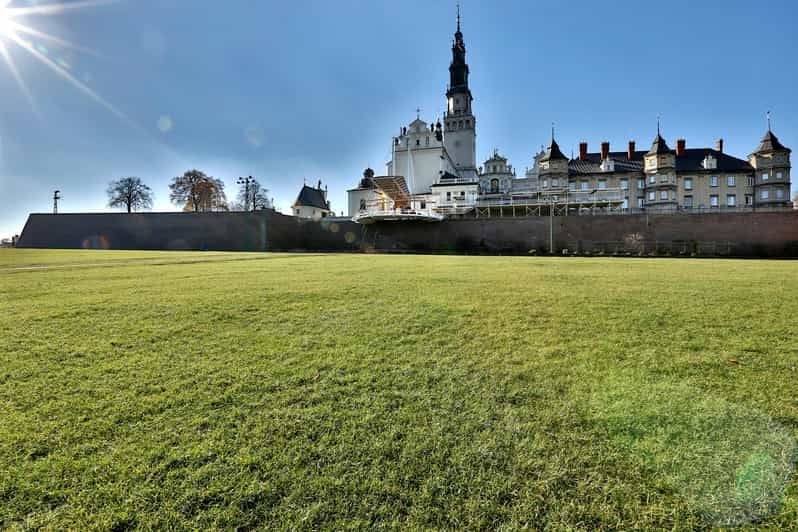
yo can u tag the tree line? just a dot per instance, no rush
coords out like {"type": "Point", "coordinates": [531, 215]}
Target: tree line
{"type": "Point", "coordinates": [194, 191]}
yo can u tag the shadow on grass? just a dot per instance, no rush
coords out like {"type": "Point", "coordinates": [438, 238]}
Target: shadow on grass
{"type": "Point", "coordinates": [730, 463]}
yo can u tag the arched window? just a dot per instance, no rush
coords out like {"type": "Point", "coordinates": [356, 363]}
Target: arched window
{"type": "Point", "coordinates": [362, 204]}
{"type": "Point", "coordinates": [494, 185]}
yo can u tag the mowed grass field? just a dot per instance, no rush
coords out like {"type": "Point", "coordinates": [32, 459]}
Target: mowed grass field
{"type": "Point", "coordinates": [222, 390]}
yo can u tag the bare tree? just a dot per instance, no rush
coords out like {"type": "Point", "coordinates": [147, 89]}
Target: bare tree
{"type": "Point", "coordinates": [130, 193]}
{"type": "Point", "coordinates": [198, 192]}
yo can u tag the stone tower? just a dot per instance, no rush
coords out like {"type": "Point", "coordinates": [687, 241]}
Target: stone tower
{"type": "Point", "coordinates": [460, 137]}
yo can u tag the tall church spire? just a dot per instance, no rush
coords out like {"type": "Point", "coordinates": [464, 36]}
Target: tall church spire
{"type": "Point", "coordinates": [458, 70]}
{"type": "Point", "coordinates": [460, 138]}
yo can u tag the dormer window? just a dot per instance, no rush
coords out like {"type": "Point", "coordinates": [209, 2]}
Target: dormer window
{"type": "Point", "coordinates": [709, 162]}
{"type": "Point", "coordinates": [608, 165]}
{"type": "Point", "coordinates": [651, 163]}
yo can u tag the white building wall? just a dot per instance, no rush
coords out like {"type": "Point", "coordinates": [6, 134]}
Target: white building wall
{"type": "Point", "coordinates": [357, 195]}
{"type": "Point", "coordinates": [310, 213]}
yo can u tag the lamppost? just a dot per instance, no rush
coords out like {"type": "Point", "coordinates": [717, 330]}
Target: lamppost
{"type": "Point", "coordinates": [56, 197]}
{"type": "Point", "coordinates": [247, 181]}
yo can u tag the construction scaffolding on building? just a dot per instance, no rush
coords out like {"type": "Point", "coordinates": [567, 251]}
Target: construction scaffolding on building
{"type": "Point", "coordinates": [552, 202]}
{"type": "Point", "coordinates": [393, 204]}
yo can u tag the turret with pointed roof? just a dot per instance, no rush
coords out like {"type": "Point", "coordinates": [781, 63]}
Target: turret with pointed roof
{"type": "Point", "coordinates": [659, 146]}
{"type": "Point", "coordinates": [553, 153]}
{"type": "Point", "coordinates": [771, 162]}
{"type": "Point", "coordinates": [770, 143]}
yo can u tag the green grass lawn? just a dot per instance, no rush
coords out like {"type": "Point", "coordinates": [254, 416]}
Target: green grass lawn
{"type": "Point", "coordinates": [221, 390]}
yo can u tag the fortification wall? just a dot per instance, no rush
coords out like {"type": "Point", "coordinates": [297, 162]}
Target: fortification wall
{"type": "Point", "coordinates": [234, 231]}
{"type": "Point", "coordinates": [771, 234]}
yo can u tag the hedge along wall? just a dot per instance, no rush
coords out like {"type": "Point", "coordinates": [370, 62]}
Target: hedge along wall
{"type": "Point", "coordinates": [772, 234]}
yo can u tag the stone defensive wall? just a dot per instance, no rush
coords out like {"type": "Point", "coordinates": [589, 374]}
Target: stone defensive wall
{"type": "Point", "coordinates": [751, 234]}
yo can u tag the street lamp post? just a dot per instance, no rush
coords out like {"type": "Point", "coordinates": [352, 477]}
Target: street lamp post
{"type": "Point", "coordinates": [246, 181]}
{"type": "Point", "coordinates": [56, 197]}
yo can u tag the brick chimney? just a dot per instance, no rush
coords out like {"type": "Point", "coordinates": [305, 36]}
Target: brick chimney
{"type": "Point", "coordinates": [719, 146]}
{"type": "Point", "coordinates": [605, 150]}
{"type": "Point", "coordinates": [630, 153]}
{"type": "Point", "coordinates": [681, 144]}
{"type": "Point", "coordinates": [583, 151]}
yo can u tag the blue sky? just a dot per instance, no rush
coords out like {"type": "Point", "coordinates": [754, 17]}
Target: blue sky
{"type": "Point", "coordinates": [315, 89]}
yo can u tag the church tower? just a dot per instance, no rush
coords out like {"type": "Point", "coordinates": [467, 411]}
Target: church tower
{"type": "Point", "coordinates": [460, 136]}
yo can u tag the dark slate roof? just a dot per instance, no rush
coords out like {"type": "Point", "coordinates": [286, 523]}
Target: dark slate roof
{"type": "Point", "coordinates": [659, 146]}
{"type": "Point", "coordinates": [770, 143]}
{"type": "Point", "coordinates": [691, 161]}
{"type": "Point", "coordinates": [448, 176]}
{"type": "Point", "coordinates": [592, 163]}
{"type": "Point", "coordinates": [553, 153]}
{"type": "Point", "coordinates": [693, 158]}
{"type": "Point", "coordinates": [311, 197]}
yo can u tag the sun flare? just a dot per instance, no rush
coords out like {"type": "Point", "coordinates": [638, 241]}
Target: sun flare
{"type": "Point", "coordinates": [5, 20]}
{"type": "Point", "coordinates": [15, 29]}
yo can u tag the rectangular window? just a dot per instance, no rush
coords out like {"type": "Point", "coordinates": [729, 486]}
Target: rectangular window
{"type": "Point", "coordinates": [624, 184]}
{"type": "Point", "coordinates": [584, 185]}
{"type": "Point", "coordinates": [688, 183]}
{"type": "Point", "coordinates": [713, 200]}
{"type": "Point", "coordinates": [555, 183]}
{"type": "Point", "coordinates": [779, 175]}
{"type": "Point", "coordinates": [713, 181]}
{"type": "Point", "coordinates": [764, 194]}
{"type": "Point", "coordinates": [602, 184]}
{"type": "Point", "coordinates": [641, 183]}
{"type": "Point", "coordinates": [731, 200]}
{"type": "Point", "coordinates": [663, 179]}
{"type": "Point", "coordinates": [779, 193]}
{"type": "Point", "coordinates": [730, 181]}
{"type": "Point", "coordinates": [651, 163]}
{"type": "Point", "coordinates": [688, 202]}
{"type": "Point", "coordinates": [652, 196]}
{"type": "Point", "coordinates": [639, 203]}
{"type": "Point", "coordinates": [749, 199]}
{"type": "Point", "coordinates": [572, 186]}
{"type": "Point", "coordinates": [652, 179]}
{"type": "Point", "coordinates": [625, 203]}
{"type": "Point", "coordinates": [750, 181]}
{"type": "Point", "coordinates": [448, 196]}
{"type": "Point", "coordinates": [545, 183]}
{"type": "Point", "coordinates": [765, 176]}
{"type": "Point", "coordinates": [663, 194]}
